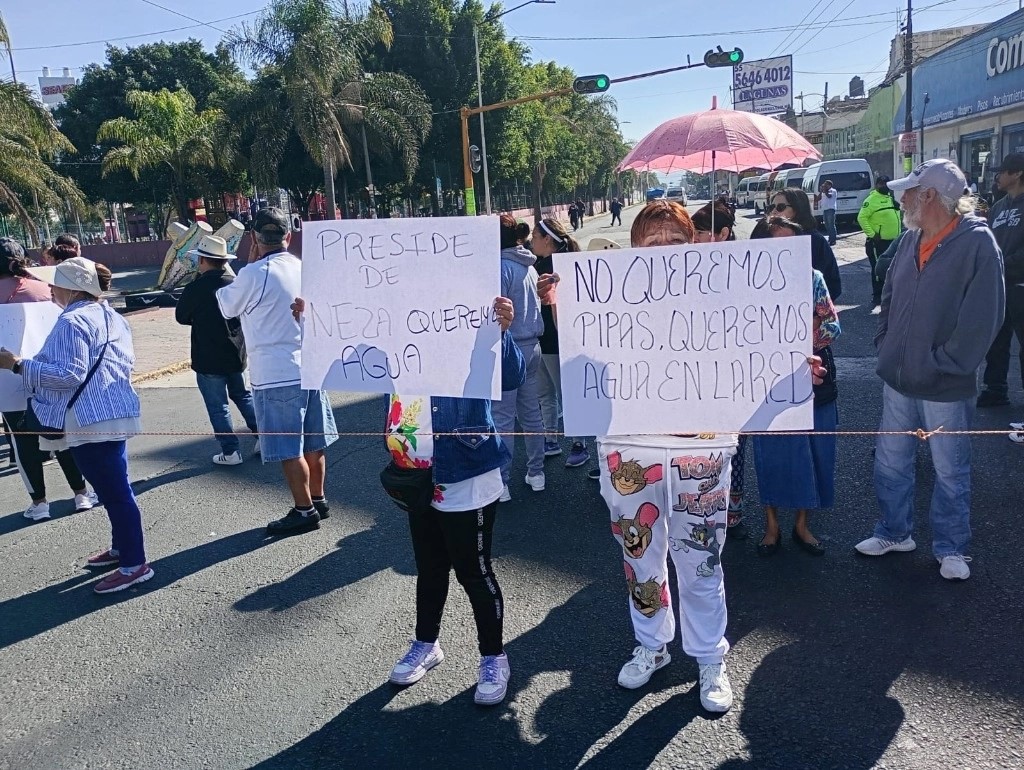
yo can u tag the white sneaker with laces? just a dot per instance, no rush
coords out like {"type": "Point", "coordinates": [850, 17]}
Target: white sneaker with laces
{"type": "Point", "coordinates": [1017, 426]}
{"type": "Point", "coordinates": [493, 682]}
{"type": "Point", "coordinates": [415, 664]}
{"type": "Point", "coordinates": [876, 310]}
{"type": "Point", "coordinates": [715, 690]}
{"type": "Point", "coordinates": [954, 567]}
{"type": "Point", "coordinates": [505, 494]}
{"type": "Point", "coordinates": [37, 511]}
{"type": "Point", "coordinates": [638, 670]}
{"type": "Point", "coordinates": [879, 546]}
{"type": "Point", "coordinates": [536, 482]}
{"type": "Point", "coordinates": [86, 502]}
{"type": "Point", "coordinates": [235, 458]}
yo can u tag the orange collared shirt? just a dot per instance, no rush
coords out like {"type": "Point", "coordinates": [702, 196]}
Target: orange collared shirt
{"type": "Point", "coordinates": [927, 248]}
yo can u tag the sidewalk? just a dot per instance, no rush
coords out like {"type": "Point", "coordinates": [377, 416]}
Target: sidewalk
{"type": "Point", "coordinates": [161, 344]}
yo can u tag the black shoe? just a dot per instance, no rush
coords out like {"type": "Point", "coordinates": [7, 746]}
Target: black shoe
{"type": "Point", "coordinates": [992, 398]}
{"type": "Point", "coordinates": [769, 549]}
{"type": "Point", "coordinates": [594, 474]}
{"type": "Point", "coordinates": [814, 549]}
{"type": "Point", "coordinates": [322, 508]}
{"type": "Point", "coordinates": [294, 523]}
{"type": "Point", "coordinates": [737, 531]}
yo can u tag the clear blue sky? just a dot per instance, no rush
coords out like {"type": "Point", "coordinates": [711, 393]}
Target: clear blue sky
{"type": "Point", "coordinates": [855, 43]}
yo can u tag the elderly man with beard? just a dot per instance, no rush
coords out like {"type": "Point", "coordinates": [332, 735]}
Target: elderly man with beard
{"type": "Point", "coordinates": [942, 306]}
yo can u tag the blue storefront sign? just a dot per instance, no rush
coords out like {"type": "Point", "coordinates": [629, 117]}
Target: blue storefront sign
{"type": "Point", "coordinates": [979, 74]}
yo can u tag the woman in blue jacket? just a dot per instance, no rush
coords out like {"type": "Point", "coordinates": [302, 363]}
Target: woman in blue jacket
{"type": "Point", "coordinates": [456, 439]}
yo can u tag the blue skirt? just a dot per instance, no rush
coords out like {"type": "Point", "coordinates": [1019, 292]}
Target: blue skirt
{"type": "Point", "coordinates": [799, 471]}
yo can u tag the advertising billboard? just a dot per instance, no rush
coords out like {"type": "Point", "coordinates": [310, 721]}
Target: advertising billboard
{"type": "Point", "coordinates": [764, 86]}
{"type": "Point", "coordinates": [53, 89]}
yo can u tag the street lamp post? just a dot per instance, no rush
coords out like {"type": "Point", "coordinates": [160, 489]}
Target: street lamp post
{"type": "Point", "coordinates": [480, 94]}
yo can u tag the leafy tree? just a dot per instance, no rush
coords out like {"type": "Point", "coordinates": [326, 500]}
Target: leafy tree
{"type": "Point", "coordinates": [167, 133]}
{"type": "Point", "coordinates": [102, 95]}
{"type": "Point", "coordinates": [28, 138]}
{"type": "Point", "coordinates": [319, 58]}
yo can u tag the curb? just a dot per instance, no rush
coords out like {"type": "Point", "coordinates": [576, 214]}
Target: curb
{"type": "Point", "coordinates": [162, 372]}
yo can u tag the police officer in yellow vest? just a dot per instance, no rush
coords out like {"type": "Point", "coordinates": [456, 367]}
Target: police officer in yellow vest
{"type": "Point", "coordinates": [879, 218]}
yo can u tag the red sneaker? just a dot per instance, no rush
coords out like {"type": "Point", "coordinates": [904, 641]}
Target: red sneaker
{"type": "Point", "coordinates": [118, 581]}
{"type": "Point", "coordinates": [104, 559]}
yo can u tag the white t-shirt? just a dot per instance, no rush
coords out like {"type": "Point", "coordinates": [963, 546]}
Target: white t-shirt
{"type": "Point", "coordinates": [261, 298]}
{"type": "Point", "coordinates": [829, 199]}
{"type": "Point", "coordinates": [410, 441]}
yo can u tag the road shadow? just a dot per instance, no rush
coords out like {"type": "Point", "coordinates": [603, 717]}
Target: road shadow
{"type": "Point", "coordinates": [39, 611]}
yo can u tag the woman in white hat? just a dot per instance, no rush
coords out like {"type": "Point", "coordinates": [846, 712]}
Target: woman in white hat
{"type": "Point", "coordinates": [80, 384]}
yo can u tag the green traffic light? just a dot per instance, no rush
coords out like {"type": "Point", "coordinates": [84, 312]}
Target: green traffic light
{"type": "Point", "coordinates": [735, 57]}
{"type": "Point", "coordinates": [602, 83]}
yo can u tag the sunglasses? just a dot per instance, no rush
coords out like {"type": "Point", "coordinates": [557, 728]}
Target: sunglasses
{"type": "Point", "coordinates": [780, 207]}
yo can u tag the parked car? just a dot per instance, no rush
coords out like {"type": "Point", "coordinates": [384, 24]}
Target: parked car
{"type": "Point", "coordinates": [655, 193]}
{"type": "Point", "coordinates": [677, 194]}
{"type": "Point", "coordinates": [745, 191]}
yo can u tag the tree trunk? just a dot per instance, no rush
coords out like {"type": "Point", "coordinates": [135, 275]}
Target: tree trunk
{"type": "Point", "coordinates": [538, 182]}
{"type": "Point", "coordinates": [331, 205]}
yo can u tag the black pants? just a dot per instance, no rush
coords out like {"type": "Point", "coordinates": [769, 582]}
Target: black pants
{"type": "Point", "coordinates": [616, 217]}
{"type": "Point", "coordinates": [441, 541]}
{"type": "Point", "coordinates": [997, 362]}
{"type": "Point", "coordinates": [30, 459]}
{"type": "Point", "coordinates": [875, 247]}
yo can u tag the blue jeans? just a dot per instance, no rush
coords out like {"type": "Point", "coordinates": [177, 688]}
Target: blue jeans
{"type": "Point", "coordinates": [524, 404]}
{"type": "Point", "coordinates": [216, 390]}
{"type": "Point", "coordinates": [105, 466]}
{"type": "Point", "coordinates": [950, 509]}
{"type": "Point", "coordinates": [829, 215]}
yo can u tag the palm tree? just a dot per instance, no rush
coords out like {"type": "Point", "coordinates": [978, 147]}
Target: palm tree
{"type": "Point", "coordinates": [167, 132]}
{"type": "Point", "coordinates": [28, 138]}
{"type": "Point", "coordinates": [318, 57]}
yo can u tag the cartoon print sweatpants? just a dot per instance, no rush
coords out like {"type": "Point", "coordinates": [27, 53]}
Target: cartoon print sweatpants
{"type": "Point", "coordinates": [669, 495]}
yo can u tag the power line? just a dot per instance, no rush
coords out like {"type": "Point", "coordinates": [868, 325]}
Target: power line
{"type": "Point", "coordinates": [184, 16]}
{"type": "Point", "coordinates": [790, 33]}
{"type": "Point", "coordinates": [809, 38]}
{"type": "Point", "coordinates": [132, 37]}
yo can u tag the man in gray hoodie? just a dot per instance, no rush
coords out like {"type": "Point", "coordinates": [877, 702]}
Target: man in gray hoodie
{"type": "Point", "coordinates": [942, 306]}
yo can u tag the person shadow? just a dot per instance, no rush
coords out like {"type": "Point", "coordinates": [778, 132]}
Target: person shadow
{"type": "Point", "coordinates": [47, 608]}
{"type": "Point", "coordinates": [565, 731]}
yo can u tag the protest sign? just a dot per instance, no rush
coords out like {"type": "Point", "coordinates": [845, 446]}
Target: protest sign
{"type": "Point", "coordinates": [686, 339]}
{"type": "Point", "coordinates": [402, 305]}
{"type": "Point", "coordinates": [23, 330]}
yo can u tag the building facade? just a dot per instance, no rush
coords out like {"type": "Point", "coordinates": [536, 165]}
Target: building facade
{"type": "Point", "coordinates": [968, 100]}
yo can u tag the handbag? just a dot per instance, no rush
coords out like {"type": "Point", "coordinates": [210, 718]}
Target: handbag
{"type": "Point", "coordinates": [30, 422]}
{"type": "Point", "coordinates": [411, 489]}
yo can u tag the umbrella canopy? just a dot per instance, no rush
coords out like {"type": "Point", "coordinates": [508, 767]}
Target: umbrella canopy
{"type": "Point", "coordinates": [724, 140]}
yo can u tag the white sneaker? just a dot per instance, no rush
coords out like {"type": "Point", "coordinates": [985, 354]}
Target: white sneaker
{"type": "Point", "coordinates": [879, 546]}
{"type": "Point", "coordinates": [536, 482]}
{"type": "Point", "coordinates": [235, 458]}
{"type": "Point", "coordinates": [86, 502]}
{"type": "Point", "coordinates": [493, 681]}
{"type": "Point", "coordinates": [415, 664]}
{"type": "Point", "coordinates": [505, 494]}
{"type": "Point", "coordinates": [715, 690]}
{"type": "Point", "coordinates": [1017, 426]}
{"type": "Point", "coordinates": [638, 670]}
{"type": "Point", "coordinates": [1017, 438]}
{"type": "Point", "coordinates": [876, 310]}
{"type": "Point", "coordinates": [37, 511]}
{"type": "Point", "coordinates": [954, 567]}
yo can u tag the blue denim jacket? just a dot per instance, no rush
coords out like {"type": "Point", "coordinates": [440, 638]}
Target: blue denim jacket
{"type": "Point", "coordinates": [474, 446]}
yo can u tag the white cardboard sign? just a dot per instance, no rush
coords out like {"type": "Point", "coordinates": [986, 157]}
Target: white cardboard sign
{"type": "Point", "coordinates": [402, 305]}
{"type": "Point", "coordinates": [24, 328]}
{"type": "Point", "coordinates": [687, 339]}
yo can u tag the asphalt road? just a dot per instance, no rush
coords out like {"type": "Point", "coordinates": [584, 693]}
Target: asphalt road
{"type": "Point", "coordinates": [244, 652]}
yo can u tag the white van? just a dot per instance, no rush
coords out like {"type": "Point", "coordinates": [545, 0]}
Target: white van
{"type": "Point", "coordinates": [759, 194]}
{"type": "Point", "coordinates": [745, 192]}
{"type": "Point", "coordinates": [853, 179]}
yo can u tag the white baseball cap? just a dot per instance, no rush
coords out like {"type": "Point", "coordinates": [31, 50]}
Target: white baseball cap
{"type": "Point", "coordinates": [942, 175]}
{"type": "Point", "coordinates": [75, 274]}
{"type": "Point", "coordinates": [599, 243]}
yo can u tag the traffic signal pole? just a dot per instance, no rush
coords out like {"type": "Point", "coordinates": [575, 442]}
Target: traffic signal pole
{"type": "Point", "coordinates": [466, 112]}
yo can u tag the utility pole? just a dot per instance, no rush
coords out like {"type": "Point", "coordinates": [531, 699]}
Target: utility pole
{"type": "Point", "coordinates": [908, 68]}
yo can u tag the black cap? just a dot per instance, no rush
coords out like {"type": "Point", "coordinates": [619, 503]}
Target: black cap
{"type": "Point", "coordinates": [270, 226]}
{"type": "Point", "coordinates": [1013, 163]}
{"type": "Point", "coordinates": [882, 179]}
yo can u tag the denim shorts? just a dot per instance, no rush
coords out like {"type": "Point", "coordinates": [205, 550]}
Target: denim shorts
{"type": "Point", "coordinates": [305, 415]}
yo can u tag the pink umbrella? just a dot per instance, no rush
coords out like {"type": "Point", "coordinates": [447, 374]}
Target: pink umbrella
{"type": "Point", "coordinates": [725, 140]}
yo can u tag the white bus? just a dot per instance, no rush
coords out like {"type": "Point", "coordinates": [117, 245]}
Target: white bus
{"type": "Point", "coordinates": [745, 192]}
